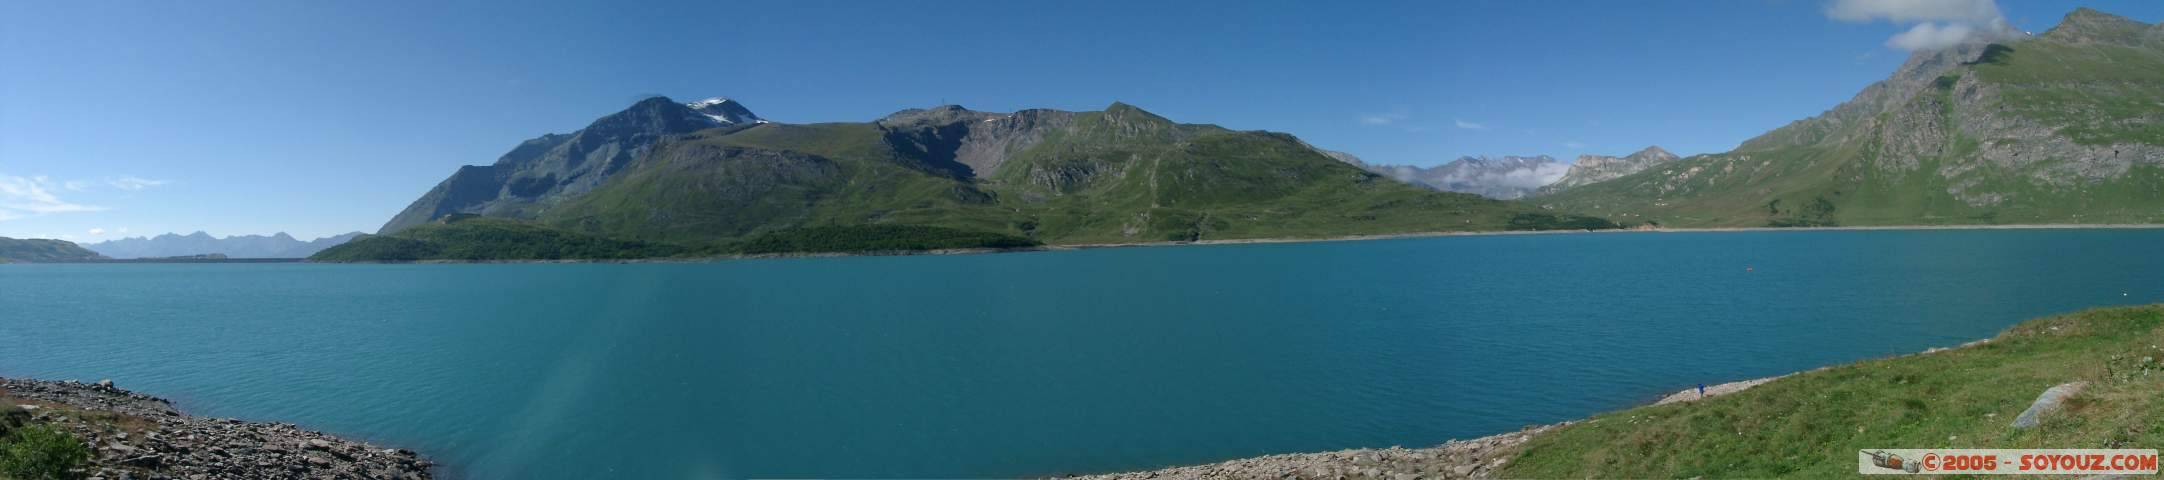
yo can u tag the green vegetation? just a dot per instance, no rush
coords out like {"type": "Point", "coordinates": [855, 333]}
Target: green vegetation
{"type": "Point", "coordinates": [40, 452]}
{"type": "Point", "coordinates": [37, 250]}
{"type": "Point", "coordinates": [2096, 94]}
{"type": "Point", "coordinates": [1812, 424]}
{"type": "Point", "coordinates": [475, 238]}
{"type": "Point", "coordinates": [1546, 221]}
{"type": "Point", "coordinates": [876, 238]}
{"type": "Point", "coordinates": [471, 238]}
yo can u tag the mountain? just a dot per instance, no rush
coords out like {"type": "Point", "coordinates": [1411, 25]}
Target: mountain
{"type": "Point", "coordinates": [38, 250]}
{"type": "Point", "coordinates": [2066, 127]}
{"type": "Point", "coordinates": [543, 172]}
{"type": "Point", "coordinates": [1503, 178]}
{"type": "Point", "coordinates": [279, 245]}
{"type": "Point", "coordinates": [666, 172]}
{"type": "Point", "coordinates": [1591, 169]}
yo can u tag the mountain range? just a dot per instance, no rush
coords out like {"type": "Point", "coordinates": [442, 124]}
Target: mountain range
{"type": "Point", "coordinates": [677, 173]}
{"type": "Point", "coordinates": [2065, 127]}
{"type": "Point", "coordinates": [279, 245]}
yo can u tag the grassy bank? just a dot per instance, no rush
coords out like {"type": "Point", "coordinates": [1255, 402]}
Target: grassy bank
{"type": "Point", "coordinates": [1811, 424]}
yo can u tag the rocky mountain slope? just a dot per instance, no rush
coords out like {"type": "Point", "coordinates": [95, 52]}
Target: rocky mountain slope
{"type": "Point", "coordinates": [1591, 169]}
{"type": "Point", "coordinates": [2065, 127]}
{"type": "Point", "coordinates": [667, 172]}
{"type": "Point", "coordinates": [545, 171]}
{"type": "Point", "coordinates": [278, 245]}
{"type": "Point", "coordinates": [38, 250]}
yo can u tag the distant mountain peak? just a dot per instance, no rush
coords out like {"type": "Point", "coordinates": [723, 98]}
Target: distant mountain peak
{"type": "Point", "coordinates": [1125, 110]}
{"type": "Point", "coordinates": [1591, 169]}
{"type": "Point", "coordinates": [724, 111]}
{"type": "Point", "coordinates": [1653, 150]}
{"type": "Point", "coordinates": [2090, 25]}
{"type": "Point", "coordinates": [939, 115]}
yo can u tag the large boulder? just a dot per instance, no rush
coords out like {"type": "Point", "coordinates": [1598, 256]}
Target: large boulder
{"type": "Point", "coordinates": [2052, 399]}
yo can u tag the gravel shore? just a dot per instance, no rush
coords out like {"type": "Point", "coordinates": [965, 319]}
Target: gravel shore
{"type": "Point", "coordinates": [136, 436]}
{"type": "Point", "coordinates": [1476, 458]}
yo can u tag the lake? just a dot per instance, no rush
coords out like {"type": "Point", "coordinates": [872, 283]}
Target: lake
{"type": "Point", "coordinates": [1030, 363]}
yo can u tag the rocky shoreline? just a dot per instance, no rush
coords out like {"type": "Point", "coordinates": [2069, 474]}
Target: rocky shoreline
{"type": "Point", "coordinates": [137, 436]}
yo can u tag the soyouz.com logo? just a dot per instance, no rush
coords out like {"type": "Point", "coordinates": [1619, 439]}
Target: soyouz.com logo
{"type": "Point", "coordinates": [1936, 461]}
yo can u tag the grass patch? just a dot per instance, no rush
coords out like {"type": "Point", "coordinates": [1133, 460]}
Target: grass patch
{"type": "Point", "coordinates": [40, 452]}
{"type": "Point", "coordinates": [876, 238]}
{"type": "Point", "coordinates": [1811, 424]}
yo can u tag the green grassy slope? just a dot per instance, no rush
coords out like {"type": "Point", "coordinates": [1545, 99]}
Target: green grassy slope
{"type": "Point", "coordinates": [2097, 94]}
{"type": "Point", "coordinates": [1810, 425]}
{"type": "Point", "coordinates": [2059, 129]}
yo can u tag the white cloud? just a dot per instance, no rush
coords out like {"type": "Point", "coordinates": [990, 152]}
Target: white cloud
{"type": "Point", "coordinates": [1930, 36]}
{"type": "Point", "coordinates": [94, 231]}
{"type": "Point", "coordinates": [1520, 178]}
{"type": "Point", "coordinates": [1938, 23]}
{"type": "Point", "coordinates": [76, 185]}
{"type": "Point", "coordinates": [135, 183]}
{"type": "Point", "coordinates": [1382, 118]}
{"type": "Point", "coordinates": [25, 196]}
{"type": "Point", "coordinates": [1470, 125]}
{"type": "Point", "coordinates": [123, 230]}
{"type": "Point", "coordinates": [1905, 11]}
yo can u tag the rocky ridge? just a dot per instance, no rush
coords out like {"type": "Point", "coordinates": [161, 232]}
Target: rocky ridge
{"type": "Point", "coordinates": [1590, 169]}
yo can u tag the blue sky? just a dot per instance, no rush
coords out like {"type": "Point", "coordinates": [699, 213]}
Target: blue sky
{"type": "Point", "coordinates": [315, 118]}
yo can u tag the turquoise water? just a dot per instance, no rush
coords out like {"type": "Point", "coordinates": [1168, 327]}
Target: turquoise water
{"type": "Point", "coordinates": [1032, 363]}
